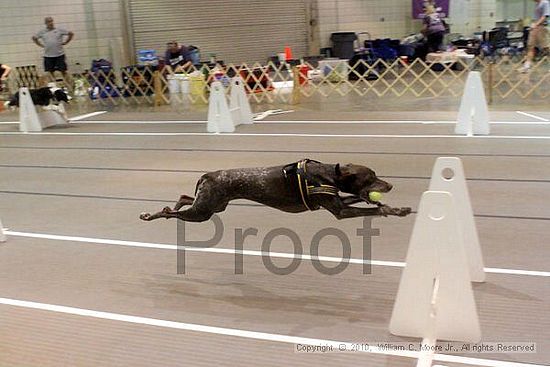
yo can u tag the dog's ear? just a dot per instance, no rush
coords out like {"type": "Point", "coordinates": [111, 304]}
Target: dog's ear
{"type": "Point", "coordinates": [344, 171]}
{"type": "Point", "coordinates": [61, 96]}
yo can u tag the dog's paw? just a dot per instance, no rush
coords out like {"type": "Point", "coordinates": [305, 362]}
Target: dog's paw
{"type": "Point", "coordinates": [145, 216]}
{"type": "Point", "coordinates": [385, 210]}
{"type": "Point", "coordinates": [403, 212]}
{"type": "Point", "coordinates": [399, 212]}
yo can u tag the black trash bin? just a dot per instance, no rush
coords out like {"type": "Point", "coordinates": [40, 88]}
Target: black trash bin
{"type": "Point", "coordinates": [343, 44]}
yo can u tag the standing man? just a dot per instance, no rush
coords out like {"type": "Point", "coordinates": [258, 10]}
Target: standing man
{"type": "Point", "coordinates": [538, 35]}
{"type": "Point", "coordinates": [52, 40]}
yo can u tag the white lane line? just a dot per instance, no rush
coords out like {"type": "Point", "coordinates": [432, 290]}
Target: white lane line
{"type": "Point", "coordinates": [291, 122]}
{"type": "Point", "coordinates": [144, 122]}
{"type": "Point", "coordinates": [353, 136]}
{"type": "Point", "coordinates": [230, 251]}
{"type": "Point", "coordinates": [533, 116]}
{"type": "Point", "coordinates": [311, 122]}
{"type": "Point", "coordinates": [391, 122]}
{"type": "Point", "coordinates": [250, 334]}
{"type": "Point", "coordinates": [77, 118]}
{"type": "Point", "coordinates": [183, 122]}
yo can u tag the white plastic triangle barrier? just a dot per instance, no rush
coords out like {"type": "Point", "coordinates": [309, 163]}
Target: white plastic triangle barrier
{"type": "Point", "coordinates": [435, 298]}
{"type": "Point", "coordinates": [2, 234]}
{"type": "Point", "coordinates": [28, 117]}
{"type": "Point", "coordinates": [473, 115]}
{"type": "Point", "coordinates": [53, 115]}
{"type": "Point", "coordinates": [32, 121]}
{"type": "Point", "coordinates": [239, 104]}
{"type": "Point", "coordinates": [448, 175]}
{"type": "Point", "coordinates": [219, 116]}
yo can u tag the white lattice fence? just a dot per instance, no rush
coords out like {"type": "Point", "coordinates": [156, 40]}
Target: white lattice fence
{"type": "Point", "coordinates": [274, 82]}
{"type": "Point", "coordinates": [509, 82]}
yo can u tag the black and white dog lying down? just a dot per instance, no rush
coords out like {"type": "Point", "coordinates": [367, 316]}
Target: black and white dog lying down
{"type": "Point", "coordinates": [42, 97]}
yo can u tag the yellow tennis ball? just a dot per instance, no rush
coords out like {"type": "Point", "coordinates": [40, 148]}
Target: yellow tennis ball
{"type": "Point", "coordinates": [375, 196]}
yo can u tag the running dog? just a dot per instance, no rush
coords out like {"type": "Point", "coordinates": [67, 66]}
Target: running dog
{"type": "Point", "coordinates": [42, 97]}
{"type": "Point", "coordinates": [295, 188]}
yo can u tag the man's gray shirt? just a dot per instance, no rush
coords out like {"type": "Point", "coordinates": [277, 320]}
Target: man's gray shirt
{"type": "Point", "coordinates": [52, 41]}
{"type": "Point", "coordinates": [542, 10]}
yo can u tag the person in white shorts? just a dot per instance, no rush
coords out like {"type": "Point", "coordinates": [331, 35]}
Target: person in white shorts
{"type": "Point", "coordinates": [538, 35]}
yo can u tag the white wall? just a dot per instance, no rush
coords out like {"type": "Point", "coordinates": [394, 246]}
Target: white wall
{"type": "Point", "coordinates": [468, 16]}
{"type": "Point", "coordinates": [94, 23]}
{"type": "Point", "coordinates": [381, 18]}
{"type": "Point", "coordinates": [514, 9]}
{"type": "Point", "coordinates": [393, 18]}
{"type": "Point", "coordinates": [486, 13]}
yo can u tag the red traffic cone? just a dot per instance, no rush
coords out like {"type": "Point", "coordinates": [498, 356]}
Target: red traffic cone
{"type": "Point", "coordinates": [288, 53]}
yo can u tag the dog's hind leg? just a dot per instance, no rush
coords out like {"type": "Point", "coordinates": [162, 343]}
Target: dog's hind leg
{"type": "Point", "coordinates": [192, 214]}
{"type": "Point", "coordinates": [204, 206]}
{"type": "Point", "coordinates": [184, 200]}
{"type": "Point", "coordinates": [208, 201]}
{"type": "Point", "coordinates": [167, 213]}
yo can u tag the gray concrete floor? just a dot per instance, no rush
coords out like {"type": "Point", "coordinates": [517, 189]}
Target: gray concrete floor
{"type": "Point", "coordinates": [96, 186]}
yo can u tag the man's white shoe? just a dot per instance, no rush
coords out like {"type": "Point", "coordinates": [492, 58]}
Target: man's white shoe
{"type": "Point", "coordinates": [524, 69]}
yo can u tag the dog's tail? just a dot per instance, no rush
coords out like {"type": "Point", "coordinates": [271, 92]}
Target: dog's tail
{"type": "Point", "coordinates": [14, 100]}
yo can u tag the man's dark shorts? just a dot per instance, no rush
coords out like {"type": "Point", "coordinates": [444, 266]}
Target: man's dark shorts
{"type": "Point", "coordinates": [52, 64]}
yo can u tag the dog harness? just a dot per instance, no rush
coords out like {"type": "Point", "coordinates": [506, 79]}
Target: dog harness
{"type": "Point", "coordinates": [307, 185]}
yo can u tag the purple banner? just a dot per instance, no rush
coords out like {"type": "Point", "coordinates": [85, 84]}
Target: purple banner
{"type": "Point", "coordinates": [441, 7]}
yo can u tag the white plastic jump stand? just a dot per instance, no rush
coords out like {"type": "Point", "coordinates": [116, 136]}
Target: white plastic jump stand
{"type": "Point", "coordinates": [53, 115]}
{"type": "Point", "coordinates": [219, 116]}
{"type": "Point", "coordinates": [28, 117]}
{"type": "Point", "coordinates": [448, 175]}
{"type": "Point", "coordinates": [32, 121]}
{"type": "Point", "coordinates": [239, 104]}
{"type": "Point", "coordinates": [473, 115]}
{"type": "Point", "coordinates": [2, 234]}
{"type": "Point", "coordinates": [435, 300]}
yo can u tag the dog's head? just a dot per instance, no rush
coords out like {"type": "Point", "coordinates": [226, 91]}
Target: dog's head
{"type": "Point", "coordinates": [359, 180]}
{"type": "Point", "coordinates": [59, 95]}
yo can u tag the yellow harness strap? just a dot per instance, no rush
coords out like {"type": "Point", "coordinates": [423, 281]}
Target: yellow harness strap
{"type": "Point", "coordinates": [307, 190]}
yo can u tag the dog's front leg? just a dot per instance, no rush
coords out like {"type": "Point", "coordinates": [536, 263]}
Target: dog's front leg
{"type": "Point", "coordinates": [383, 210]}
{"type": "Point", "coordinates": [348, 200]}
{"type": "Point", "coordinates": [341, 211]}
